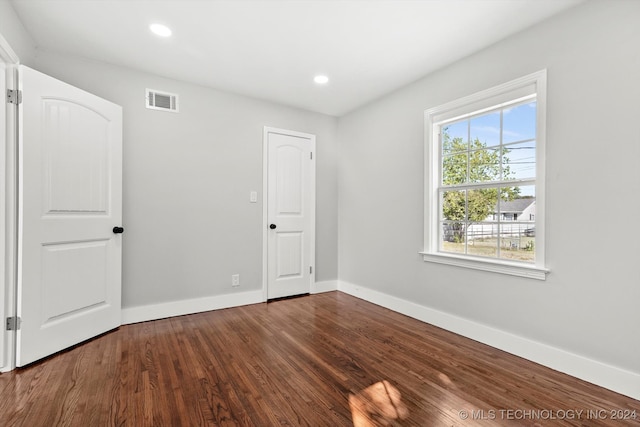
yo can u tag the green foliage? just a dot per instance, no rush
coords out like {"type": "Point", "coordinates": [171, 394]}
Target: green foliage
{"type": "Point", "coordinates": [473, 164]}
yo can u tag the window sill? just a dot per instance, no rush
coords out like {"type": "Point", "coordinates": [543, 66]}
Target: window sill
{"type": "Point", "coordinates": [503, 267]}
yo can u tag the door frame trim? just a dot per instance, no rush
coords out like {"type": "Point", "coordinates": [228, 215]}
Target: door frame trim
{"type": "Point", "coordinates": [9, 213]}
{"type": "Point", "coordinates": [265, 191]}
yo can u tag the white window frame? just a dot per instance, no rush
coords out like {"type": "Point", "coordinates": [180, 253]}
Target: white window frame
{"type": "Point", "coordinates": [532, 84]}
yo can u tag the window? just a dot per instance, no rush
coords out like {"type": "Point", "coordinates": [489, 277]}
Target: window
{"type": "Point", "coordinates": [484, 203]}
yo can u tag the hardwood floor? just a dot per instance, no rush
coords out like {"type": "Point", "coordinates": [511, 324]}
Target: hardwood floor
{"type": "Point", "coordinates": [320, 360]}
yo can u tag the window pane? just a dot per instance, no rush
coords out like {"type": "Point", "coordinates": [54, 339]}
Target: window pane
{"type": "Point", "coordinates": [453, 211]}
{"type": "Point", "coordinates": [482, 239]}
{"type": "Point", "coordinates": [484, 165]}
{"type": "Point", "coordinates": [452, 238]}
{"type": "Point", "coordinates": [516, 243]}
{"type": "Point", "coordinates": [485, 129]}
{"type": "Point", "coordinates": [516, 209]}
{"type": "Point", "coordinates": [518, 192]}
{"type": "Point", "coordinates": [455, 137]}
{"type": "Point", "coordinates": [453, 204]}
{"type": "Point", "coordinates": [519, 123]}
{"type": "Point", "coordinates": [454, 169]}
{"type": "Point", "coordinates": [481, 204]}
{"type": "Point", "coordinates": [519, 160]}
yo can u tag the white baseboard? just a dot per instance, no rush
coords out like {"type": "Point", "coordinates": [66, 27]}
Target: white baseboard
{"type": "Point", "coordinates": [325, 286]}
{"type": "Point", "coordinates": [197, 305]}
{"type": "Point", "coordinates": [190, 306]}
{"type": "Point", "coordinates": [610, 377]}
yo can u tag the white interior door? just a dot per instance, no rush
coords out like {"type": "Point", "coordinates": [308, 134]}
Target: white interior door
{"type": "Point", "coordinates": [4, 335]}
{"type": "Point", "coordinates": [290, 212]}
{"type": "Point", "coordinates": [70, 200]}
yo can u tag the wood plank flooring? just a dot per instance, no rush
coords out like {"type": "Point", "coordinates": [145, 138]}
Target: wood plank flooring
{"type": "Point", "coordinates": [320, 360]}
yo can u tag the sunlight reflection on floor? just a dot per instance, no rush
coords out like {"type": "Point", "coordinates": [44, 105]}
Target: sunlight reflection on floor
{"type": "Point", "coordinates": [377, 405]}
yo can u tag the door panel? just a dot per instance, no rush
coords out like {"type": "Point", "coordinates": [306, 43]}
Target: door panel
{"type": "Point", "coordinates": [288, 161]}
{"type": "Point", "coordinates": [76, 167]}
{"type": "Point", "coordinates": [290, 209]}
{"type": "Point", "coordinates": [69, 283]}
{"type": "Point", "coordinates": [73, 278]}
{"type": "Point", "coordinates": [289, 253]}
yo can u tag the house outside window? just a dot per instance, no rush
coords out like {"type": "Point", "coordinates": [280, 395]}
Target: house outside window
{"type": "Point", "coordinates": [484, 199]}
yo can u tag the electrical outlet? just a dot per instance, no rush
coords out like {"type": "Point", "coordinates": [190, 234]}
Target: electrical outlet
{"type": "Point", "coordinates": [235, 280]}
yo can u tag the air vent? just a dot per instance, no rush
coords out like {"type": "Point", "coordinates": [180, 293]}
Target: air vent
{"type": "Point", "coordinates": [157, 100]}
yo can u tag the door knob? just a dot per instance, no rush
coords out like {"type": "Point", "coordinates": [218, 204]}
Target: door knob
{"type": "Point", "coordinates": [272, 226]}
{"type": "Point", "coordinates": [118, 230]}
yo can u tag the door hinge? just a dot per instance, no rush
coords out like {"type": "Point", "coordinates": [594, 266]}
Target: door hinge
{"type": "Point", "coordinates": [310, 270]}
{"type": "Point", "coordinates": [13, 323]}
{"type": "Point", "coordinates": [14, 96]}
{"type": "Point", "coordinates": [311, 155]}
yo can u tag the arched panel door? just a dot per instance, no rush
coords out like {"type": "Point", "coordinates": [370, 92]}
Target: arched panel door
{"type": "Point", "coordinates": [70, 185]}
{"type": "Point", "coordinates": [290, 212]}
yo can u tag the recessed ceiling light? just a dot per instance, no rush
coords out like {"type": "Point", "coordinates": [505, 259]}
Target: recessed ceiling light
{"type": "Point", "coordinates": [160, 30]}
{"type": "Point", "coordinates": [321, 80]}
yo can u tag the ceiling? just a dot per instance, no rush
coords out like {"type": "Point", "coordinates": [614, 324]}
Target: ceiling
{"type": "Point", "coordinates": [272, 49]}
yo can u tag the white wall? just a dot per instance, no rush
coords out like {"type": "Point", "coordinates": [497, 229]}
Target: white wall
{"type": "Point", "coordinates": [12, 30]}
{"type": "Point", "coordinates": [187, 176]}
{"type": "Point", "coordinates": [588, 305]}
